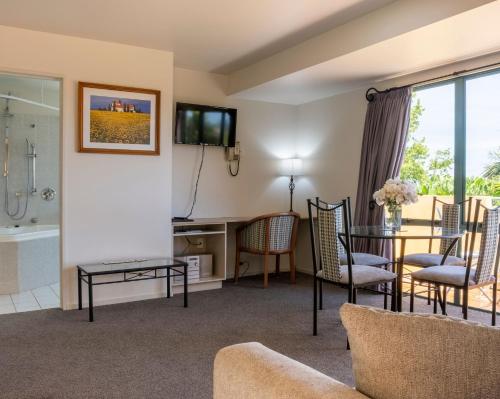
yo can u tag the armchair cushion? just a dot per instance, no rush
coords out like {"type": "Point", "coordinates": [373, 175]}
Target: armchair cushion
{"type": "Point", "coordinates": [252, 371]}
{"type": "Point", "coordinates": [363, 275]}
{"type": "Point", "coordinates": [414, 356]}
{"type": "Point", "coordinates": [425, 260]}
{"type": "Point", "coordinates": [361, 258]}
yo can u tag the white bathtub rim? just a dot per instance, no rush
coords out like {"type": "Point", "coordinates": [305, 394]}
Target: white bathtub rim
{"type": "Point", "coordinates": [34, 232]}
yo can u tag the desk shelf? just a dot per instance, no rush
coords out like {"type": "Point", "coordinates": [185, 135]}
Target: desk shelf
{"type": "Point", "coordinates": [197, 233]}
{"type": "Point", "coordinates": [203, 280]}
{"type": "Point", "coordinates": [215, 232]}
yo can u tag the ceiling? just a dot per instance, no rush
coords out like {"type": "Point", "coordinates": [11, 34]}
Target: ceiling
{"type": "Point", "coordinates": [285, 51]}
{"type": "Point", "coordinates": [467, 35]}
{"type": "Point", "coordinates": [217, 35]}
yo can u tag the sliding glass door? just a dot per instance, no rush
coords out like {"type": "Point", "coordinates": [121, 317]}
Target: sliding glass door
{"type": "Point", "coordinates": [453, 149]}
{"type": "Point", "coordinates": [482, 164]}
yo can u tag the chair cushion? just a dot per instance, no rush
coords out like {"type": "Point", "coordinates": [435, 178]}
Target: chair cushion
{"type": "Point", "coordinates": [363, 275]}
{"type": "Point", "coordinates": [416, 356]}
{"type": "Point", "coordinates": [425, 260]}
{"type": "Point", "coordinates": [361, 258]}
{"type": "Point", "coordinates": [444, 274]}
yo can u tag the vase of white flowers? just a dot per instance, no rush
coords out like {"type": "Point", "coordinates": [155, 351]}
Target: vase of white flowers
{"type": "Point", "coordinates": [393, 196]}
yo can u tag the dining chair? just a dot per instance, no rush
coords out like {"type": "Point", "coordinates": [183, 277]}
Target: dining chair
{"type": "Point", "coordinates": [325, 226]}
{"type": "Point", "coordinates": [361, 258]}
{"type": "Point", "coordinates": [272, 234]}
{"type": "Point", "coordinates": [357, 258]}
{"type": "Point", "coordinates": [466, 278]}
{"type": "Point", "coordinates": [450, 219]}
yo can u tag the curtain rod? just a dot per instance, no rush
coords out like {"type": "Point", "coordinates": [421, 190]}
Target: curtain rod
{"type": "Point", "coordinates": [371, 96]}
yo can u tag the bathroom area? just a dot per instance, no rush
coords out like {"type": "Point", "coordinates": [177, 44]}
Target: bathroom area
{"type": "Point", "coordinates": [29, 193]}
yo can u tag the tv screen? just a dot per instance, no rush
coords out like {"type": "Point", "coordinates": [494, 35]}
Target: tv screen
{"type": "Point", "coordinates": [202, 124]}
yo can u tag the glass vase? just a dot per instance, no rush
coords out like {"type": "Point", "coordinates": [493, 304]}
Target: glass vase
{"type": "Point", "coordinates": [392, 219]}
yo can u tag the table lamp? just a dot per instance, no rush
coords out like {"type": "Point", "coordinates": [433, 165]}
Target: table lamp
{"type": "Point", "coordinates": [292, 167]}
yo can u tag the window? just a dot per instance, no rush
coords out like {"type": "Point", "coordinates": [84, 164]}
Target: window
{"type": "Point", "coordinates": [453, 148]}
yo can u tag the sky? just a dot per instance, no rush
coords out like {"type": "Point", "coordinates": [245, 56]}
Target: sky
{"type": "Point", "coordinates": [482, 119]}
{"type": "Point", "coordinates": [97, 102]}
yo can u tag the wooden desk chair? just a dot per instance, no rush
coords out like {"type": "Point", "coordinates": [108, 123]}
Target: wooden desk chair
{"type": "Point", "coordinates": [272, 234]}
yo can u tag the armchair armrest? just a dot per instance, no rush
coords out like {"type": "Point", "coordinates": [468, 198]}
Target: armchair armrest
{"type": "Point", "coordinates": [252, 371]}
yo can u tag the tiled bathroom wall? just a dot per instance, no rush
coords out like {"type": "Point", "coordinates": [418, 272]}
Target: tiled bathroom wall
{"type": "Point", "coordinates": [43, 131]}
{"type": "Point", "coordinates": [41, 127]}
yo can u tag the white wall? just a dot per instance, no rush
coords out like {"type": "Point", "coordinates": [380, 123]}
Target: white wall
{"type": "Point", "coordinates": [266, 132]}
{"type": "Point", "coordinates": [114, 206]}
{"type": "Point", "coordinates": [327, 134]}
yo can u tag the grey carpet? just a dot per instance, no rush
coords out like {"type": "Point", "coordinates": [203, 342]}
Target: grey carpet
{"type": "Point", "coordinates": [158, 349]}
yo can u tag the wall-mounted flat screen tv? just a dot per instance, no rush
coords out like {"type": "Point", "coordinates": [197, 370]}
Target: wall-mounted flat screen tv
{"type": "Point", "coordinates": [203, 124]}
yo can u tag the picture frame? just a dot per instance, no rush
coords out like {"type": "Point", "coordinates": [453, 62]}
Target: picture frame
{"type": "Point", "coordinates": [118, 119]}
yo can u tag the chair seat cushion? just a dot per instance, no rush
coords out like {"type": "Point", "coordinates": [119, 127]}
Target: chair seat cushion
{"type": "Point", "coordinates": [363, 275]}
{"type": "Point", "coordinates": [361, 258]}
{"type": "Point", "coordinates": [425, 260]}
{"type": "Point", "coordinates": [445, 274]}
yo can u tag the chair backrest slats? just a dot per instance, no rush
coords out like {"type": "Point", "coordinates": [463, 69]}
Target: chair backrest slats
{"type": "Point", "coordinates": [280, 232]}
{"type": "Point", "coordinates": [329, 243]}
{"type": "Point", "coordinates": [329, 220]}
{"type": "Point", "coordinates": [488, 245]}
{"type": "Point", "coordinates": [450, 220]}
{"type": "Point", "coordinates": [254, 236]}
{"type": "Point", "coordinates": [270, 233]}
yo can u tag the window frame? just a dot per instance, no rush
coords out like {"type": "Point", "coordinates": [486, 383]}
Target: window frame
{"type": "Point", "coordinates": [460, 134]}
{"type": "Point", "coordinates": [460, 146]}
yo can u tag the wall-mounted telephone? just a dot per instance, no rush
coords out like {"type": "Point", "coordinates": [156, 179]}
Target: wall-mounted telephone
{"type": "Point", "coordinates": [233, 155]}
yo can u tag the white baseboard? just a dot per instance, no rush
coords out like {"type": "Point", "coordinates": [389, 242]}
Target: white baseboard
{"type": "Point", "coordinates": [121, 299]}
{"type": "Point", "coordinates": [175, 291]}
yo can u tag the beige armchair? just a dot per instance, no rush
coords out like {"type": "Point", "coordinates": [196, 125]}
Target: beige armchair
{"type": "Point", "coordinates": [394, 356]}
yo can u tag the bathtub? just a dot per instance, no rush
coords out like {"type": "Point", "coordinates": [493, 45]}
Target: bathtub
{"type": "Point", "coordinates": [29, 257]}
{"type": "Point", "coordinates": [31, 232]}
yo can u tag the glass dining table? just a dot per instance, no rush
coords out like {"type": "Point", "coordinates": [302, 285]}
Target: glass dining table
{"type": "Point", "coordinates": [402, 235]}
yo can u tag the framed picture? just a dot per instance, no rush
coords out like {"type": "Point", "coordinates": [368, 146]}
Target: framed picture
{"type": "Point", "coordinates": [118, 120]}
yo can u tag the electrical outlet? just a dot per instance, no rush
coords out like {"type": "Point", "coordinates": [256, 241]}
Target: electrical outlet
{"type": "Point", "coordinates": [200, 243]}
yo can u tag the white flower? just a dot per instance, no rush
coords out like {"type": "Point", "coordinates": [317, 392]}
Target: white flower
{"type": "Point", "coordinates": [396, 192]}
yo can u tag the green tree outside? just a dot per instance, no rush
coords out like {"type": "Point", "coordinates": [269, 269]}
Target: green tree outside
{"type": "Point", "coordinates": [433, 173]}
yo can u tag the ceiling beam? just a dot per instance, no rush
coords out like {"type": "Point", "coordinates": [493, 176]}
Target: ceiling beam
{"type": "Point", "coordinates": [387, 22]}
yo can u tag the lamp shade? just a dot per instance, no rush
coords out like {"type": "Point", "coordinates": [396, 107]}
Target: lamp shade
{"type": "Point", "coordinates": [292, 167]}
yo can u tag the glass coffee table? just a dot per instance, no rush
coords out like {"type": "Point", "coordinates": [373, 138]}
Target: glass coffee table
{"type": "Point", "coordinates": [127, 271]}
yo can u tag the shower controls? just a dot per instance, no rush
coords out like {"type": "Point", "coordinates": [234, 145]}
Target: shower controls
{"type": "Point", "coordinates": [31, 154]}
{"type": "Point", "coordinates": [48, 194]}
